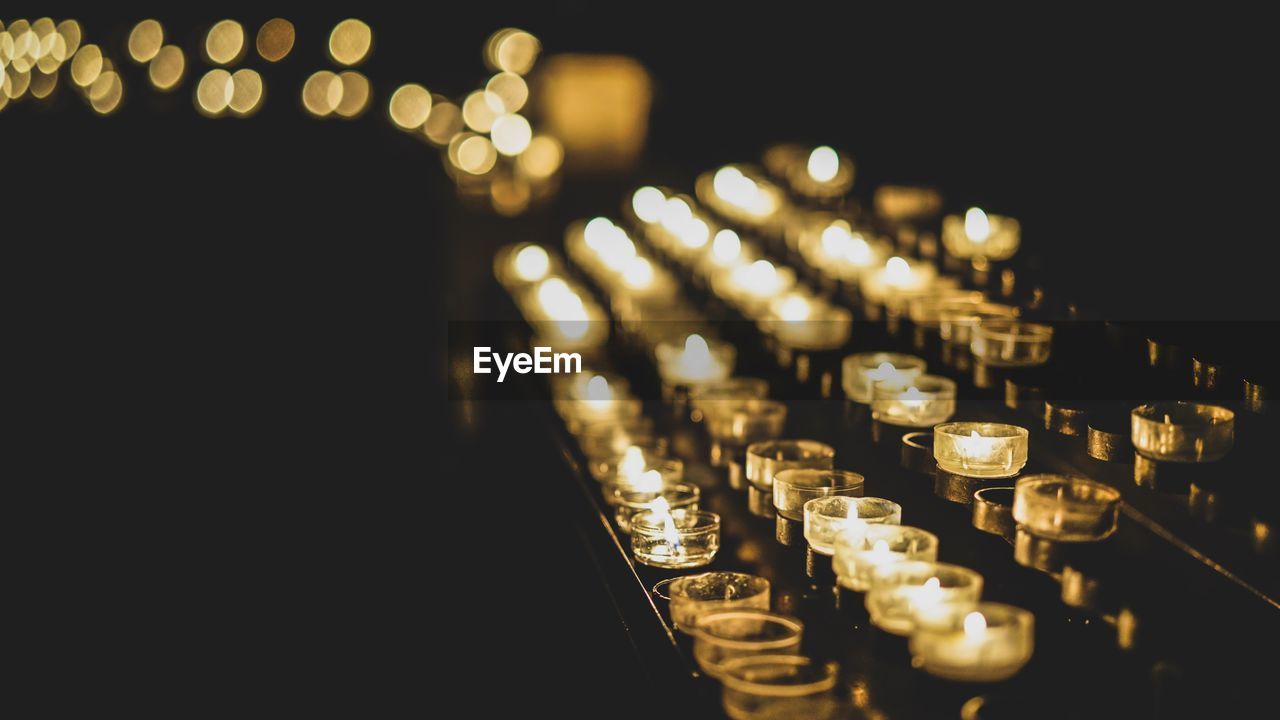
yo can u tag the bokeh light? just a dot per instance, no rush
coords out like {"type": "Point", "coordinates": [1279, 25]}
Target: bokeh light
{"type": "Point", "coordinates": [225, 42]}
{"type": "Point", "coordinates": [214, 92]}
{"type": "Point", "coordinates": [275, 39]}
{"type": "Point", "coordinates": [472, 153]}
{"type": "Point", "coordinates": [512, 50]}
{"type": "Point", "coordinates": [355, 94]}
{"type": "Point", "coordinates": [86, 65]}
{"type": "Point", "coordinates": [477, 113]}
{"type": "Point", "coordinates": [246, 92]}
{"type": "Point", "coordinates": [506, 92]}
{"type": "Point", "coordinates": [410, 105]}
{"type": "Point", "coordinates": [444, 122]}
{"type": "Point", "coordinates": [542, 158]}
{"type": "Point", "coordinates": [350, 41]}
{"type": "Point", "coordinates": [106, 92]}
{"type": "Point", "coordinates": [322, 93]}
{"type": "Point", "coordinates": [145, 40]}
{"type": "Point", "coordinates": [166, 69]}
{"type": "Point", "coordinates": [511, 134]}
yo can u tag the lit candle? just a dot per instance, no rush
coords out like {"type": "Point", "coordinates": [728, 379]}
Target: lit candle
{"type": "Point", "coordinates": [1065, 508]}
{"type": "Point", "coordinates": [840, 253]}
{"type": "Point", "coordinates": [923, 401]}
{"type": "Point", "coordinates": [517, 266]}
{"type": "Point", "coordinates": [979, 235]}
{"type": "Point", "coordinates": [743, 196]}
{"type": "Point", "coordinates": [602, 440]}
{"type": "Point", "coordinates": [903, 591]}
{"type": "Point", "coordinates": [650, 494]}
{"type": "Point", "coordinates": [562, 319]}
{"type": "Point", "coordinates": [749, 287]}
{"type": "Point", "coordinates": [956, 322]}
{"type": "Point", "coordinates": [893, 285]}
{"type": "Point", "coordinates": [694, 360]}
{"type": "Point", "coordinates": [821, 173]}
{"type": "Point", "coordinates": [591, 399]}
{"type": "Point", "coordinates": [980, 450]}
{"type": "Point", "coordinates": [983, 642]}
{"type": "Point", "coordinates": [862, 370]}
{"type": "Point", "coordinates": [640, 469]}
{"type": "Point", "coordinates": [1011, 343]}
{"type": "Point", "coordinates": [1183, 431]}
{"type": "Point", "coordinates": [676, 538]}
{"type": "Point", "coordinates": [861, 549]}
{"type": "Point", "coordinates": [648, 204]}
{"type": "Point", "coordinates": [695, 596]}
{"type": "Point", "coordinates": [800, 321]}
{"type": "Point", "coordinates": [708, 396]}
{"type": "Point", "coordinates": [826, 518]}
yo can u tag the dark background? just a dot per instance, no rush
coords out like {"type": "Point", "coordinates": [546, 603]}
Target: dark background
{"type": "Point", "coordinates": [238, 325]}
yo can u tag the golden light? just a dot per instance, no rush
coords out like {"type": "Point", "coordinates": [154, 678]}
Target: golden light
{"type": "Point", "coordinates": [638, 273]}
{"type": "Point", "coordinates": [70, 32]}
{"type": "Point", "coordinates": [476, 155]}
{"type": "Point", "coordinates": [975, 625]}
{"type": "Point", "coordinates": [225, 42]}
{"type": "Point", "coordinates": [86, 65]}
{"type": "Point", "coordinates": [350, 41]}
{"type": "Point", "coordinates": [355, 94]}
{"type": "Point", "coordinates": [542, 158]}
{"type": "Point", "coordinates": [322, 93]}
{"type": "Point", "coordinates": [897, 271]}
{"type": "Point", "coordinates": [976, 225]}
{"type": "Point", "coordinates": [53, 53]}
{"type": "Point", "coordinates": [106, 92]}
{"type": "Point", "coordinates": [145, 40]}
{"type": "Point", "coordinates": [477, 114]}
{"type": "Point", "coordinates": [824, 163]}
{"type": "Point", "coordinates": [648, 203]}
{"type": "Point", "coordinates": [794, 308]}
{"type": "Point", "coordinates": [17, 83]}
{"type": "Point", "coordinates": [675, 213]}
{"type": "Point", "coordinates": [510, 195]}
{"type": "Point", "coordinates": [444, 122]}
{"type": "Point", "coordinates": [410, 106]}
{"type": "Point", "coordinates": [22, 37]}
{"type": "Point", "coordinates": [511, 134]}
{"type": "Point", "coordinates": [726, 247]}
{"type": "Point", "coordinates": [275, 39]}
{"type": "Point", "coordinates": [246, 91]}
{"type": "Point", "coordinates": [167, 68]}
{"type": "Point", "coordinates": [512, 50]}
{"type": "Point", "coordinates": [214, 92]}
{"type": "Point", "coordinates": [532, 263]}
{"type": "Point", "coordinates": [506, 92]}
{"type": "Point", "coordinates": [42, 84]}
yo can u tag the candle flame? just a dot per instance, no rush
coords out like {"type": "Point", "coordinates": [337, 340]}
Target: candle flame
{"type": "Point", "coordinates": [632, 463]}
{"type": "Point", "coordinates": [758, 278]}
{"type": "Point", "coordinates": [532, 263]}
{"type": "Point", "coordinates": [976, 225]}
{"type": "Point", "coordinates": [726, 247]}
{"type": "Point", "coordinates": [638, 273]}
{"type": "Point", "coordinates": [824, 163]}
{"type": "Point", "coordinates": [794, 308]}
{"type": "Point", "coordinates": [859, 250]}
{"type": "Point", "coordinates": [975, 625]}
{"type": "Point", "coordinates": [662, 509]}
{"type": "Point", "coordinates": [897, 271]}
{"type": "Point", "coordinates": [932, 584]}
{"type": "Point", "coordinates": [694, 233]}
{"type": "Point", "coordinates": [881, 548]}
{"type": "Point", "coordinates": [597, 233]}
{"type": "Point", "coordinates": [648, 203]}
{"type": "Point", "coordinates": [734, 187]}
{"type": "Point", "coordinates": [559, 301]}
{"type": "Point", "coordinates": [598, 389]}
{"type": "Point", "coordinates": [649, 481]}
{"type": "Point", "coordinates": [675, 213]}
{"type": "Point", "coordinates": [912, 393]}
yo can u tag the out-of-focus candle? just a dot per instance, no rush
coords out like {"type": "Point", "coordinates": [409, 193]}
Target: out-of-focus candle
{"type": "Point", "coordinates": [923, 401]}
{"type": "Point", "coordinates": [735, 425]}
{"type": "Point", "coordinates": [743, 195]}
{"type": "Point", "coordinates": [695, 596]}
{"type": "Point", "coordinates": [861, 549]}
{"type": "Point", "coordinates": [693, 360]}
{"type": "Point", "coordinates": [1011, 343]}
{"type": "Point", "coordinates": [981, 450]}
{"type": "Point", "coordinates": [517, 266]}
{"type": "Point", "coordinates": [709, 396]}
{"type": "Point", "coordinates": [1183, 431]}
{"type": "Point", "coordinates": [981, 235]}
{"type": "Point", "coordinates": [592, 399]}
{"type": "Point", "coordinates": [983, 642]}
{"type": "Point", "coordinates": [826, 518]}
{"type": "Point", "coordinates": [562, 317]}
{"type": "Point", "coordinates": [824, 174]}
{"type": "Point", "coordinates": [903, 591]}
{"type": "Point", "coordinates": [801, 321]}
{"type": "Point", "coordinates": [647, 203]}
{"type": "Point", "coordinates": [606, 439]}
{"type": "Point", "coordinates": [1065, 508]}
{"type": "Point", "coordinates": [862, 370]}
{"type": "Point", "coordinates": [841, 253]}
{"type": "Point", "coordinates": [749, 287]}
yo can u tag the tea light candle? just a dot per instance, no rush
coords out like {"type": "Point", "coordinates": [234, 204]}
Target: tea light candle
{"type": "Point", "coordinates": [840, 253]}
{"type": "Point", "coordinates": [693, 360]}
{"type": "Point", "coordinates": [633, 501]}
{"type": "Point", "coordinates": [1183, 431]}
{"type": "Point", "coordinates": [719, 637]}
{"type": "Point", "coordinates": [728, 251]}
{"type": "Point", "coordinates": [825, 518]}
{"type": "Point", "coordinates": [980, 450]}
{"type": "Point", "coordinates": [694, 596]}
{"type": "Point", "coordinates": [520, 265]}
{"type": "Point", "coordinates": [984, 642]}
{"type": "Point", "coordinates": [608, 439]}
{"type": "Point", "coordinates": [770, 457]}
{"type": "Point", "coordinates": [862, 370]}
{"type": "Point", "coordinates": [861, 550]}
{"type": "Point", "coordinates": [823, 175]}
{"type": "Point", "coordinates": [1011, 343]}
{"type": "Point", "coordinates": [712, 394]}
{"type": "Point", "coordinates": [1065, 508]}
{"type": "Point", "coordinates": [734, 425]}
{"type": "Point", "coordinates": [597, 401]}
{"type": "Point", "coordinates": [923, 401]}
{"type": "Point", "coordinates": [563, 317]}
{"type": "Point", "coordinates": [926, 311]}
{"type": "Point", "coordinates": [625, 468]}
{"type": "Point", "coordinates": [903, 591]}
{"type": "Point", "coordinates": [760, 687]}
{"type": "Point", "coordinates": [740, 194]}
{"type": "Point", "coordinates": [675, 539]}
{"type": "Point", "coordinates": [749, 287]}
{"type": "Point", "coordinates": [897, 282]}
{"type": "Point", "coordinates": [979, 235]}
{"type": "Point", "coordinates": [795, 487]}
{"type": "Point", "coordinates": [956, 322]}
{"type": "Point", "coordinates": [801, 321]}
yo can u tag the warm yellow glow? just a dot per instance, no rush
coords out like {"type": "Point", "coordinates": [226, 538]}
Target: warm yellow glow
{"type": "Point", "coordinates": [444, 122]}
{"type": "Point", "coordinates": [975, 625]}
{"type": "Point", "coordinates": [597, 232]}
{"type": "Point", "coordinates": [165, 71]}
{"type": "Point", "coordinates": [246, 91]}
{"type": "Point", "coordinates": [532, 263]}
{"type": "Point", "coordinates": [225, 42]}
{"type": "Point", "coordinates": [105, 92]}
{"type": "Point", "coordinates": [410, 106]}
{"type": "Point", "coordinates": [145, 40]}
{"type": "Point", "coordinates": [355, 94]}
{"type": "Point", "coordinates": [912, 394]}
{"type": "Point", "coordinates": [322, 93]}
{"type": "Point", "coordinates": [86, 65]}
{"type": "Point", "coordinates": [514, 51]}
{"type": "Point", "coordinates": [648, 481]}
{"type": "Point", "coordinates": [476, 155]}
{"type": "Point", "coordinates": [542, 158]}
{"type": "Point", "coordinates": [632, 463]}
{"type": "Point", "coordinates": [694, 234]}
{"type": "Point", "coordinates": [885, 371]}
{"type": "Point", "coordinates": [648, 203]}
{"type": "Point", "coordinates": [760, 277]}
{"type": "Point", "coordinates": [598, 389]}
{"type": "Point", "coordinates": [696, 350]}
{"type": "Point", "coordinates": [637, 273]}
{"type": "Point", "coordinates": [794, 308]}
{"type": "Point", "coordinates": [824, 163]}
{"type": "Point", "coordinates": [477, 113]}
{"type": "Point", "coordinates": [350, 41]}
{"type": "Point", "coordinates": [53, 51]}
{"type": "Point", "coordinates": [734, 187]}
{"type": "Point", "coordinates": [214, 92]}
{"type": "Point", "coordinates": [275, 39]}
{"type": "Point", "coordinates": [511, 134]}
{"type": "Point", "coordinates": [71, 34]}
{"type": "Point", "coordinates": [976, 225]}
{"type": "Point", "coordinates": [726, 247]}
{"type": "Point", "coordinates": [506, 92]}
{"type": "Point", "coordinates": [670, 533]}
{"type": "Point", "coordinates": [42, 84]}
{"type": "Point", "coordinates": [898, 272]}
{"type": "Point", "coordinates": [675, 213]}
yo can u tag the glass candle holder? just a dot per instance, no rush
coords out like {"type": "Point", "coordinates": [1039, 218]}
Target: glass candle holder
{"type": "Point", "coordinates": [693, 596]}
{"type": "Point", "coordinates": [1183, 431]}
{"type": "Point", "coordinates": [903, 591]}
{"type": "Point", "coordinates": [859, 553]}
{"type": "Point", "coordinates": [984, 642]}
{"type": "Point", "coordinates": [626, 467]}
{"type": "Point", "coordinates": [956, 322]}
{"type": "Point", "coordinates": [722, 636]}
{"type": "Point", "coordinates": [609, 439]}
{"type": "Point", "coordinates": [980, 450]}
{"type": "Point", "coordinates": [629, 503]}
{"type": "Point", "coordinates": [706, 396]}
{"type": "Point", "coordinates": [676, 539]}
{"type": "Point", "coordinates": [1065, 508]}
{"type": "Point", "coordinates": [897, 282]}
{"type": "Point", "coordinates": [804, 322]}
{"type": "Point", "coordinates": [758, 687]}
{"type": "Point", "coordinates": [693, 360]}
{"type": "Point", "coordinates": [923, 401]}
{"type": "Point", "coordinates": [767, 459]}
{"type": "Point", "coordinates": [926, 310]}
{"type": "Point", "coordinates": [737, 424]}
{"type": "Point", "coordinates": [1011, 343]}
{"type": "Point", "coordinates": [977, 234]}
{"type": "Point", "coordinates": [827, 518]}
{"type": "Point", "coordinates": [793, 488]}
{"type": "Point", "coordinates": [862, 370]}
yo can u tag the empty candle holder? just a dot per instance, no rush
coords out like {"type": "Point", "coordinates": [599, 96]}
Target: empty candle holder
{"type": "Point", "coordinates": [693, 596]}
{"type": "Point", "coordinates": [956, 322]}
{"type": "Point", "coordinates": [917, 452]}
{"type": "Point", "coordinates": [1065, 508]}
{"type": "Point", "coordinates": [983, 642]}
{"type": "Point", "coordinates": [706, 397]}
{"type": "Point", "coordinates": [608, 439]}
{"type": "Point", "coordinates": [923, 401]}
{"type": "Point", "coordinates": [767, 459]}
{"type": "Point", "coordinates": [993, 511]}
{"type": "Point", "coordinates": [675, 539]}
{"type": "Point", "coordinates": [1108, 436]}
{"type": "Point", "coordinates": [1011, 343]}
{"type": "Point", "coordinates": [859, 552]}
{"type": "Point", "coordinates": [719, 637]}
{"type": "Point", "coordinates": [980, 235]}
{"type": "Point", "coordinates": [758, 687]}
{"type": "Point", "coordinates": [793, 488]}
{"type": "Point", "coordinates": [827, 518]}
{"type": "Point", "coordinates": [979, 449]}
{"type": "Point", "coordinates": [861, 371]}
{"type": "Point", "coordinates": [631, 502]}
{"type": "Point", "coordinates": [733, 425]}
{"type": "Point", "coordinates": [901, 592]}
{"type": "Point", "coordinates": [1183, 431]}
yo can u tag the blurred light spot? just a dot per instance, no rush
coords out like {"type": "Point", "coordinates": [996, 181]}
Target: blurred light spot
{"type": "Point", "coordinates": [511, 134]}
{"type": "Point", "coordinates": [145, 40]}
{"type": "Point", "coordinates": [275, 39]}
{"type": "Point", "coordinates": [512, 50]}
{"type": "Point", "coordinates": [6, 48]}
{"type": "Point", "coordinates": [410, 106]}
{"type": "Point", "coordinates": [17, 83]}
{"type": "Point", "coordinates": [322, 93]}
{"type": "Point", "coordinates": [824, 163]}
{"type": "Point", "coordinates": [53, 59]}
{"type": "Point", "coordinates": [246, 91]}
{"type": "Point", "coordinates": [105, 92]}
{"type": "Point", "coordinates": [166, 69]}
{"type": "Point", "coordinates": [506, 92]}
{"type": "Point", "coordinates": [510, 196]}
{"type": "Point", "coordinates": [70, 32]}
{"type": "Point", "coordinates": [472, 153]}
{"type": "Point", "coordinates": [648, 203]}
{"type": "Point", "coordinates": [355, 94]}
{"type": "Point", "coordinates": [86, 65]}
{"type": "Point", "coordinates": [444, 122]}
{"type": "Point", "coordinates": [477, 113]}
{"type": "Point", "coordinates": [224, 42]}
{"type": "Point", "coordinates": [349, 42]}
{"type": "Point", "coordinates": [42, 84]}
{"type": "Point", "coordinates": [214, 92]}
{"type": "Point", "coordinates": [543, 157]}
